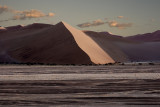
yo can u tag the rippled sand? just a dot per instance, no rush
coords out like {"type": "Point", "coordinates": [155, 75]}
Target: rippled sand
{"type": "Point", "coordinates": [76, 86]}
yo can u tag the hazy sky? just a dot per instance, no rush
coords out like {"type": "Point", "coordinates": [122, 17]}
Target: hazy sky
{"type": "Point", "coordinates": [121, 17]}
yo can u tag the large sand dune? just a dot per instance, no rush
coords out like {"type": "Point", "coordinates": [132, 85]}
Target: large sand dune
{"type": "Point", "coordinates": [53, 44]}
{"type": "Point", "coordinates": [63, 44]}
{"type": "Point", "coordinates": [88, 45]}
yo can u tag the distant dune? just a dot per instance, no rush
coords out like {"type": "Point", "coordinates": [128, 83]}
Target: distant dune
{"type": "Point", "coordinates": [107, 43]}
{"type": "Point", "coordinates": [63, 44]}
{"type": "Point", "coordinates": [148, 37]}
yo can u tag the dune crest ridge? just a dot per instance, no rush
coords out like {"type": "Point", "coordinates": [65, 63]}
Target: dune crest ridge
{"type": "Point", "coordinates": [89, 46]}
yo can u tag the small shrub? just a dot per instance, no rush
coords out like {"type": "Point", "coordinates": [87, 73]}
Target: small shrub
{"type": "Point", "coordinates": [122, 64]}
{"type": "Point", "coordinates": [105, 64]}
{"type": "Point", "coordinates": [110, 63]}
{"type": "Point", "coordinates": [151, 64]}
{"type": "Point", "coordinates": [139, 63]}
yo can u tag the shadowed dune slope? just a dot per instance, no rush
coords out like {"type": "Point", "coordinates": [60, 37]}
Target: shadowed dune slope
{"type": "Point", "coordinates": [145, 48]}
{"type": "Point", "coordinates": [49, 45]}
{"type": "Point", "coordinates": [148, 37]}
{"type": "Point", "coordinates": [145, 51]}
{"type": "Point", "coordinates": [126, 50]}
{"type": "Point", "coordinates": [106, 42]}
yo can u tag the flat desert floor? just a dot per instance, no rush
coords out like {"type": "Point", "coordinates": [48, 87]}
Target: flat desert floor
{"type": "Point", "coordinates": [80, 86]}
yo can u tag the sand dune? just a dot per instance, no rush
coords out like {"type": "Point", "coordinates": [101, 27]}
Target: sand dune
{"type": "Point", "coordinates": [126, 50]}
{"type": "Point", "coordinates": [37, 26]}
{"type": "Point", "coordinates": [63, 44]}
{"type": "Point", "coordinates": [18, 27]}
{"type": "Point", "coordinates": [90, 47]}
{"type": "Point", "coordinates": [148, 37]}
{"type": "Point", "coordinates": [106, 42]}
{"type": "Point", "coordinates": [54, 45]}
{"type": "Point", "coordinates": [148, 51]}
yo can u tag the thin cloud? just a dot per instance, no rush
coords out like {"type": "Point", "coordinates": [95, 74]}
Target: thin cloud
{"type": "Point", "coordinates": [119, 25]}
{"type": "Point", "coordinates": [5, 20]}
{"type": "Point", "coordinates": [110, 24]}
{"type": "Point", "coordinates": [4, 9]}
{"type": "Point", "coordinates": [98, 22]}
{"type": "Point", "coordinates": [91, 24]}
{"type": "Point", "coordinates": [28, 14]}
{"type": "Point", "coordinates": [23, 15]}
{"type": "Point", "coordinates": [83, 25]}
{"type": "Point", "coordinates": [153, 20]}
{"type": "Point", "coordinates": [120, 17]}
{"type": "Point", "coordinates": [105, 18]}
{"type": "Point", "coordinates": [51, 14]}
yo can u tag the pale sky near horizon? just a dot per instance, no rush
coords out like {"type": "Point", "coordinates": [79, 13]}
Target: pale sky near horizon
{"type": "Point", "coordinates": [120, 17]}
